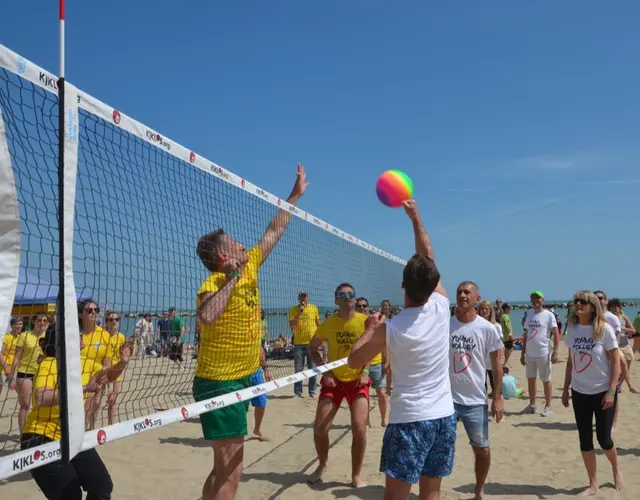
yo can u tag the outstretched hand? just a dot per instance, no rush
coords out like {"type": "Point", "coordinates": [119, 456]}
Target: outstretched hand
{"type": "Point", "coordinates": [301, 184]}
{"type": "Point", "coordinates": [411, 209]}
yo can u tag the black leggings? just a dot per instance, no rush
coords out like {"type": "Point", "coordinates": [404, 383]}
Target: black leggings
{"type": "Point", "coordinates": [584, 407]}
{"type": "Point", "coordinates": [60, 481]}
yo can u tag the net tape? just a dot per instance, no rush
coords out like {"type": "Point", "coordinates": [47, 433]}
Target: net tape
{"type": "Point", "coordinates": [135, 144]}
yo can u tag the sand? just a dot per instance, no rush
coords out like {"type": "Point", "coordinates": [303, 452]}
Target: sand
{"type": "Point", "coordinates": [533, 457]}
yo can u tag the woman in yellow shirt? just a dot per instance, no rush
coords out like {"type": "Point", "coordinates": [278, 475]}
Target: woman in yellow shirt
{"type": "Point", "coordinates": [57, 480]}
{"type": "Point", "coordinates": [8, 353]}
{"type": "Point", "coordinates": [26, 362]}
{"type": "Point", "coordinates": [95, 355]}
{"type": "Point", "coordinates": [117, 341]}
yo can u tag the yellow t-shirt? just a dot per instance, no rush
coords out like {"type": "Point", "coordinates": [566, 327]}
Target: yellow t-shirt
{"type": "Point", "coordinates": [97, 347]}
{"type": "Point", "coordinates": [340, 336]}
{"type": "Point", "coordinates": [117, 341]}
{"type": "Point", "coordinates": [9, 349]}
{"type": "Point", "coordinates": [306, 326]}
{"type": "Point", "coordinates": [230, 347]}
{"type": "Point", "coordinates": [44, 421]}
{"type": "Point", "coordinates": [31, 350]}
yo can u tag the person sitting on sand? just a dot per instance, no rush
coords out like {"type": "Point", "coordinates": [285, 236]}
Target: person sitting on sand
{"type": "Point", "coordinates": [419, 443]}
{"type": "Point", "coordinates": [510, 389]}
{"type": "Point", "coordinates": [593, 369]}
{"type": "Point", "coordinates": [341, 332]}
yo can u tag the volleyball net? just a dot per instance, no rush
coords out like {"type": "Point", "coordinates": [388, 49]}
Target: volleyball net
{"type": "Point", "coordinates": [140, 203]}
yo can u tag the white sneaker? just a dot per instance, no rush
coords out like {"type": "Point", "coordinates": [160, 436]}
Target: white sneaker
{"type": "Point", "coordinates": [547, 412]}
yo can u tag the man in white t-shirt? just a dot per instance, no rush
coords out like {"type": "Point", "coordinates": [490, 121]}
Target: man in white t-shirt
{"type": "Point", "coordinates": [474, 342]}
{"type": "Point", "coordinates": [611, 318]}
{"type": "Point", "coordinates": [419, 442]}
{"type": "Point", "coordinates": [536, 355]}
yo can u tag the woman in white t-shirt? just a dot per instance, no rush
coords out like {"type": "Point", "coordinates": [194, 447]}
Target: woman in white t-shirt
{"type": "Point", "coordinates": [593, 369]}
{"type": "Point", "coordinates": [488, 312]}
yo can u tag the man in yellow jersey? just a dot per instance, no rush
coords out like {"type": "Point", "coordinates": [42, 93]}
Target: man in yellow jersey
{"type": "Point", "coordinates": [303, 321]}
{"type": "Point", "coordinates": [341, 332]}
{"type": "Point", "coordinates": [228, 311]}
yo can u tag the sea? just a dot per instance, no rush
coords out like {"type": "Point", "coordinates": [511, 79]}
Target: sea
{"type": "Point", "coordinates": [277, 320]}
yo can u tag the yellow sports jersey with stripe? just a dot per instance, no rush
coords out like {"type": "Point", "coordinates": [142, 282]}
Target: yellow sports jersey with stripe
{"type": "Point", "coordinates": [31, 351]}
{"type": "Point", "coordinates": [306, 325]}
{"type": "Point", "coordinates": [340, 336]}
{"type": "Point", "coordinates": [9, 349]}
{"type": "Point", "coordinates": [96, 348]}
{"type": "Point", "coordinates": [230, 347]}
{"type": "Point", "coordinates": [44, 420]}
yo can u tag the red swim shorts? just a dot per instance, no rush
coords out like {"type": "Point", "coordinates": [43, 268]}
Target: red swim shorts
{"type": "Point", "coordinates": [342, 390]}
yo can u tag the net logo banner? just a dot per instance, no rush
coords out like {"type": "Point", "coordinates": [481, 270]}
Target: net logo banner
{"type": "Point", "coordinates": [38, 457]}
{"type": "Point", "coordinates": [156, 138]}
{"type": "Point", "coordinates": [147, 423]}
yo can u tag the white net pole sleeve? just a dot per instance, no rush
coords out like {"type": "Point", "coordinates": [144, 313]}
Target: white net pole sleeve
{"type": "Point", "coordinates": [75, 401]}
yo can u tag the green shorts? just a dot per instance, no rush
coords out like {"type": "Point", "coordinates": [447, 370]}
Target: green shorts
{"type": "Point", "coordinates": [229, 421]}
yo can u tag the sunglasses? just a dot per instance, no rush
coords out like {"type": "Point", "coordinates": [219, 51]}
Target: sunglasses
{"type": "Point", "coordinates": [346, 295]}
{"type": "Point", "coordinates": [362, 306]}
{"type": "Point", "coordinates": [113, 319]}
{"type": "Point", "coordinates": [582, 302]}
{"type": "Point", "coordinates": [92, 310]}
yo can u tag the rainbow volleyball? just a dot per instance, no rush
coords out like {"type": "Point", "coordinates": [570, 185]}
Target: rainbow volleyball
{"type": "Point", "coordinates": [394, 187]}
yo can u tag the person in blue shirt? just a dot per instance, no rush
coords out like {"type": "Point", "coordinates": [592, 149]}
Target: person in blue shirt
{"type": "Point", "coordinates": [510, 389]}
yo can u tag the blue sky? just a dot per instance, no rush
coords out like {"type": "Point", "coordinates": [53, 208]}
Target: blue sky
{"type": "Point", "coordinates": [518, 123]}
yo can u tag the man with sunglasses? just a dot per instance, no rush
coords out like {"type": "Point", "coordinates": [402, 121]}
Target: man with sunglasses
{"type": "Point", "coordinates": [419, 442]}
{"type": "Point", "coordinates": [341, 331]}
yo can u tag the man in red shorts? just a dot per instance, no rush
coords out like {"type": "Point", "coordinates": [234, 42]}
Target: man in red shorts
{"type": "Point", "coordinates": [340, 332]}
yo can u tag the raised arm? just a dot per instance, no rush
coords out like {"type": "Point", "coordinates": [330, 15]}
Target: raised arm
{"type": "Point", "coordinates": [279, 223]}
{"type": "Point", "coordinates": [422, 240]}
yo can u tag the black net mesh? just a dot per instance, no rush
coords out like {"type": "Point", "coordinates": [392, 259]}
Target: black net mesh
{"type": "Point", "coordinates": [140, 213]}
{"type": "Point", "coordinates": [30, 117]}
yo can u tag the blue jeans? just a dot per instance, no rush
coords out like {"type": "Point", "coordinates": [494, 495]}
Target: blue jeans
{"type": "Point", "coordinates": [300, 353]}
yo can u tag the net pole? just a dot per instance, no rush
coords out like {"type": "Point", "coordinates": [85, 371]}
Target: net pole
{"type": "Point", "coordinates": [60, 307]}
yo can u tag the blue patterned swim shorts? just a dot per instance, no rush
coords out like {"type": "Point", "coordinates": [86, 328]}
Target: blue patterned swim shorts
{"type": "Point", "coordinates": [417, 449]}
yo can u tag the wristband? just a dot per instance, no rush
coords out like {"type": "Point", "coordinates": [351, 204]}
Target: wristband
{"type": "Point", "coordinates": [611, 393]}
{"type": "Point", "coordinates": [366, 371]}
{"type": "Point", "coordinates": [235, 274]}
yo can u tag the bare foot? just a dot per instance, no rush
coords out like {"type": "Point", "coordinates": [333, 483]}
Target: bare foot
{"type": "Point", "coordinates": [590, 491]}
{"type": "Point", "coordinates": [356, 482]}
{"type": "Point", "coordinates": [479, 494]}
{"type": "Point", "coordinates": [618, 483]}
{"type": "Point", "coordinates": [316, 477]}
{"type": "Point", "coordinates": [260, 436]}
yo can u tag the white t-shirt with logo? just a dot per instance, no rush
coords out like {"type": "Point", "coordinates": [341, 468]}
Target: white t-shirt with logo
{"type": "Point", "coordinates": [470, 347]}
{"type": "Point", "coordinates": [538, 326]}
{"type": "Point", "coordinates": [417, 342]}
{"type": "Point", "coordinates": [591, 371]}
